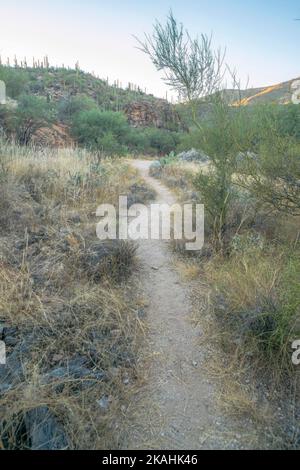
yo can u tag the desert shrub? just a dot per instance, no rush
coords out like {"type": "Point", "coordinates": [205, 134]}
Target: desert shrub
{"type": "Point", "coordinates": [192, 67]}
{"type": "Point", "coordinates": [193, 155]}
{"type": "Point", "coordinates": [69, 107]}
{"type": "Point", "coordinates": [284, 120]}
{"type": "Point", "coordinates": [257, 299]}
{"type": "Point", "coordinates": [136, 141]}
{"type": "Point", "coordinates": [189, 140]}
{"type": "Point", "coordinates": [168, 159]}
{"type": "Point", "coordinates": [222, 138]}
{"type": "Point", "coordinates": [158, 166]}
{"type": "Point", "coordinates": [161, 141]}
{"type": "Point", "coordinates": [110, 132]}
{"type": "Point", "coordinates": [276, 179]}
{"type": "Point", "coordinates": [140, 193]}
{"type": "Point", "coordinates": [155, 169]}
{"type": "Point", "coordinates": [15, 79]}
{"type": "Point", "coordinates": [272, 173]}
{"type": "Point", "coordinates": [246, 149]}
{"type": "Point", "coordinates": [152, 141]}
{"type": "Point", "coordinates": [7, 122]}
{"type": "Point", "coordinates": [31, 114]}
{"type": "Point", "coordinates": [101, 130]}
{"type": "Point", "coordinates": [289, 120]}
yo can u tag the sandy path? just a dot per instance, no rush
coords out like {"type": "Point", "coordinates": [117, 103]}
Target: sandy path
{"type": "Point", "coordinates": [174, 410]}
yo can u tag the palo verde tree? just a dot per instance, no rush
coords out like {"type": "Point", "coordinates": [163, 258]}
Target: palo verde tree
{"type": "Point", "coordinates": [195, 70]}
{"type": "Point", "coordinates": [32, 114]}
{"type": "Point", "coordinates": [225, 138]}
{"type": "Point", "coordinates": [271, 171]}
{"type": "Point", "coordinates": [192, 67]}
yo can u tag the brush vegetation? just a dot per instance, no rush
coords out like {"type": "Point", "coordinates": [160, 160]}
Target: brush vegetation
{"type": "Point", "coordinates": [68, 314]}
{"type": "Point", "coordinates": [89, 108]}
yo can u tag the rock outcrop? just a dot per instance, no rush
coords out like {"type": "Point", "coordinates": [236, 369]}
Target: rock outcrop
{"type": "Point", "coordinates": [193, 155]}
{"type": "Point", "coordinates": [160, 114]}
{"type": "Point", "coordinates": [56, 136]}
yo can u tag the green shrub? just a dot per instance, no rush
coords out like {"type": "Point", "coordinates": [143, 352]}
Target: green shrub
{"type": "Point", "coordinates": [289, 120]}
{"type": "Point", "coordinates": [101, 130]}
{"type": "Point", "coordinates": [221, 138]}
{"type": "Point", "coordinates": [69, 107]}
{"type": "Point", "coordinates": [137, 141]}
{"type": "Point", "coordinates": [161, 141]}
{"type": "Point", "coordinates": [284, 120]}
{"type": "Point", "coordinates": [15, 79]}
{"type": "Point", "coordinates": [156, 169]}
{"type": "Point", "coordinates": [272, 174]}
{"type": "Point", "coordinates": [152, 141]}
{"type": "Point", "coordinates": [31, 114]}
{"type": "Point", "coordinates": [188, 141]}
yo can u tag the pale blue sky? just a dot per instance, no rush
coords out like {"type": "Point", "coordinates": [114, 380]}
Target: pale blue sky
{"type": "Point", "coordinates": [261, 38]}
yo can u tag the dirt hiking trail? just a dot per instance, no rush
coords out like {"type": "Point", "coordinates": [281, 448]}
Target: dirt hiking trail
{"type": "Point", "coordinates": [175, 407]}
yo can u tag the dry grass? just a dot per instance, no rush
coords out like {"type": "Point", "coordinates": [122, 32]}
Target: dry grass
{"type": "Point", "coordinates": [256, 293]}
{"type": "Point", "coordinates": [189, 271]}
{"type": "Point", "coordinates": [248, 307]}
{"type": "Point", "coordinates": [69, 312]}
{"type": "Point", "coordinates": [178, 176]}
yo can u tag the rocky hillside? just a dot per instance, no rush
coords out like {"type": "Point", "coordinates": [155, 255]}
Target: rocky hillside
{"type": "Point", "coordinates": [281, 93]}
{"type": "Point", "coordinates": [158, 114]}
{"type": "Point", "coordinates": [59, 84]}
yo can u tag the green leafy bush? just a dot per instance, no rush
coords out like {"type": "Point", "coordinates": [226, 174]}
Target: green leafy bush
{"type": "Point", "coordinates": [101, 130]}
{"type": "Point", "coordinates": [221, 138]}
{"type": "Point", "coordinates": [271, 171]}
{"type": "Point", "coordinates": [151, 141]}
{"type": "Point", "coordinates": [69, 107]}
{"type": "Point", "coordinates": [161, 141]}
{"type": "Point", "coordinates": [16, 80]}
{"type": "Point", "coordinates": [31, 114]}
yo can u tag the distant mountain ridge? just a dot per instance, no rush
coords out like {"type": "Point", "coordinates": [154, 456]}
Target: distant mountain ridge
{"type": "Point", "coordinates": [280, 93]}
